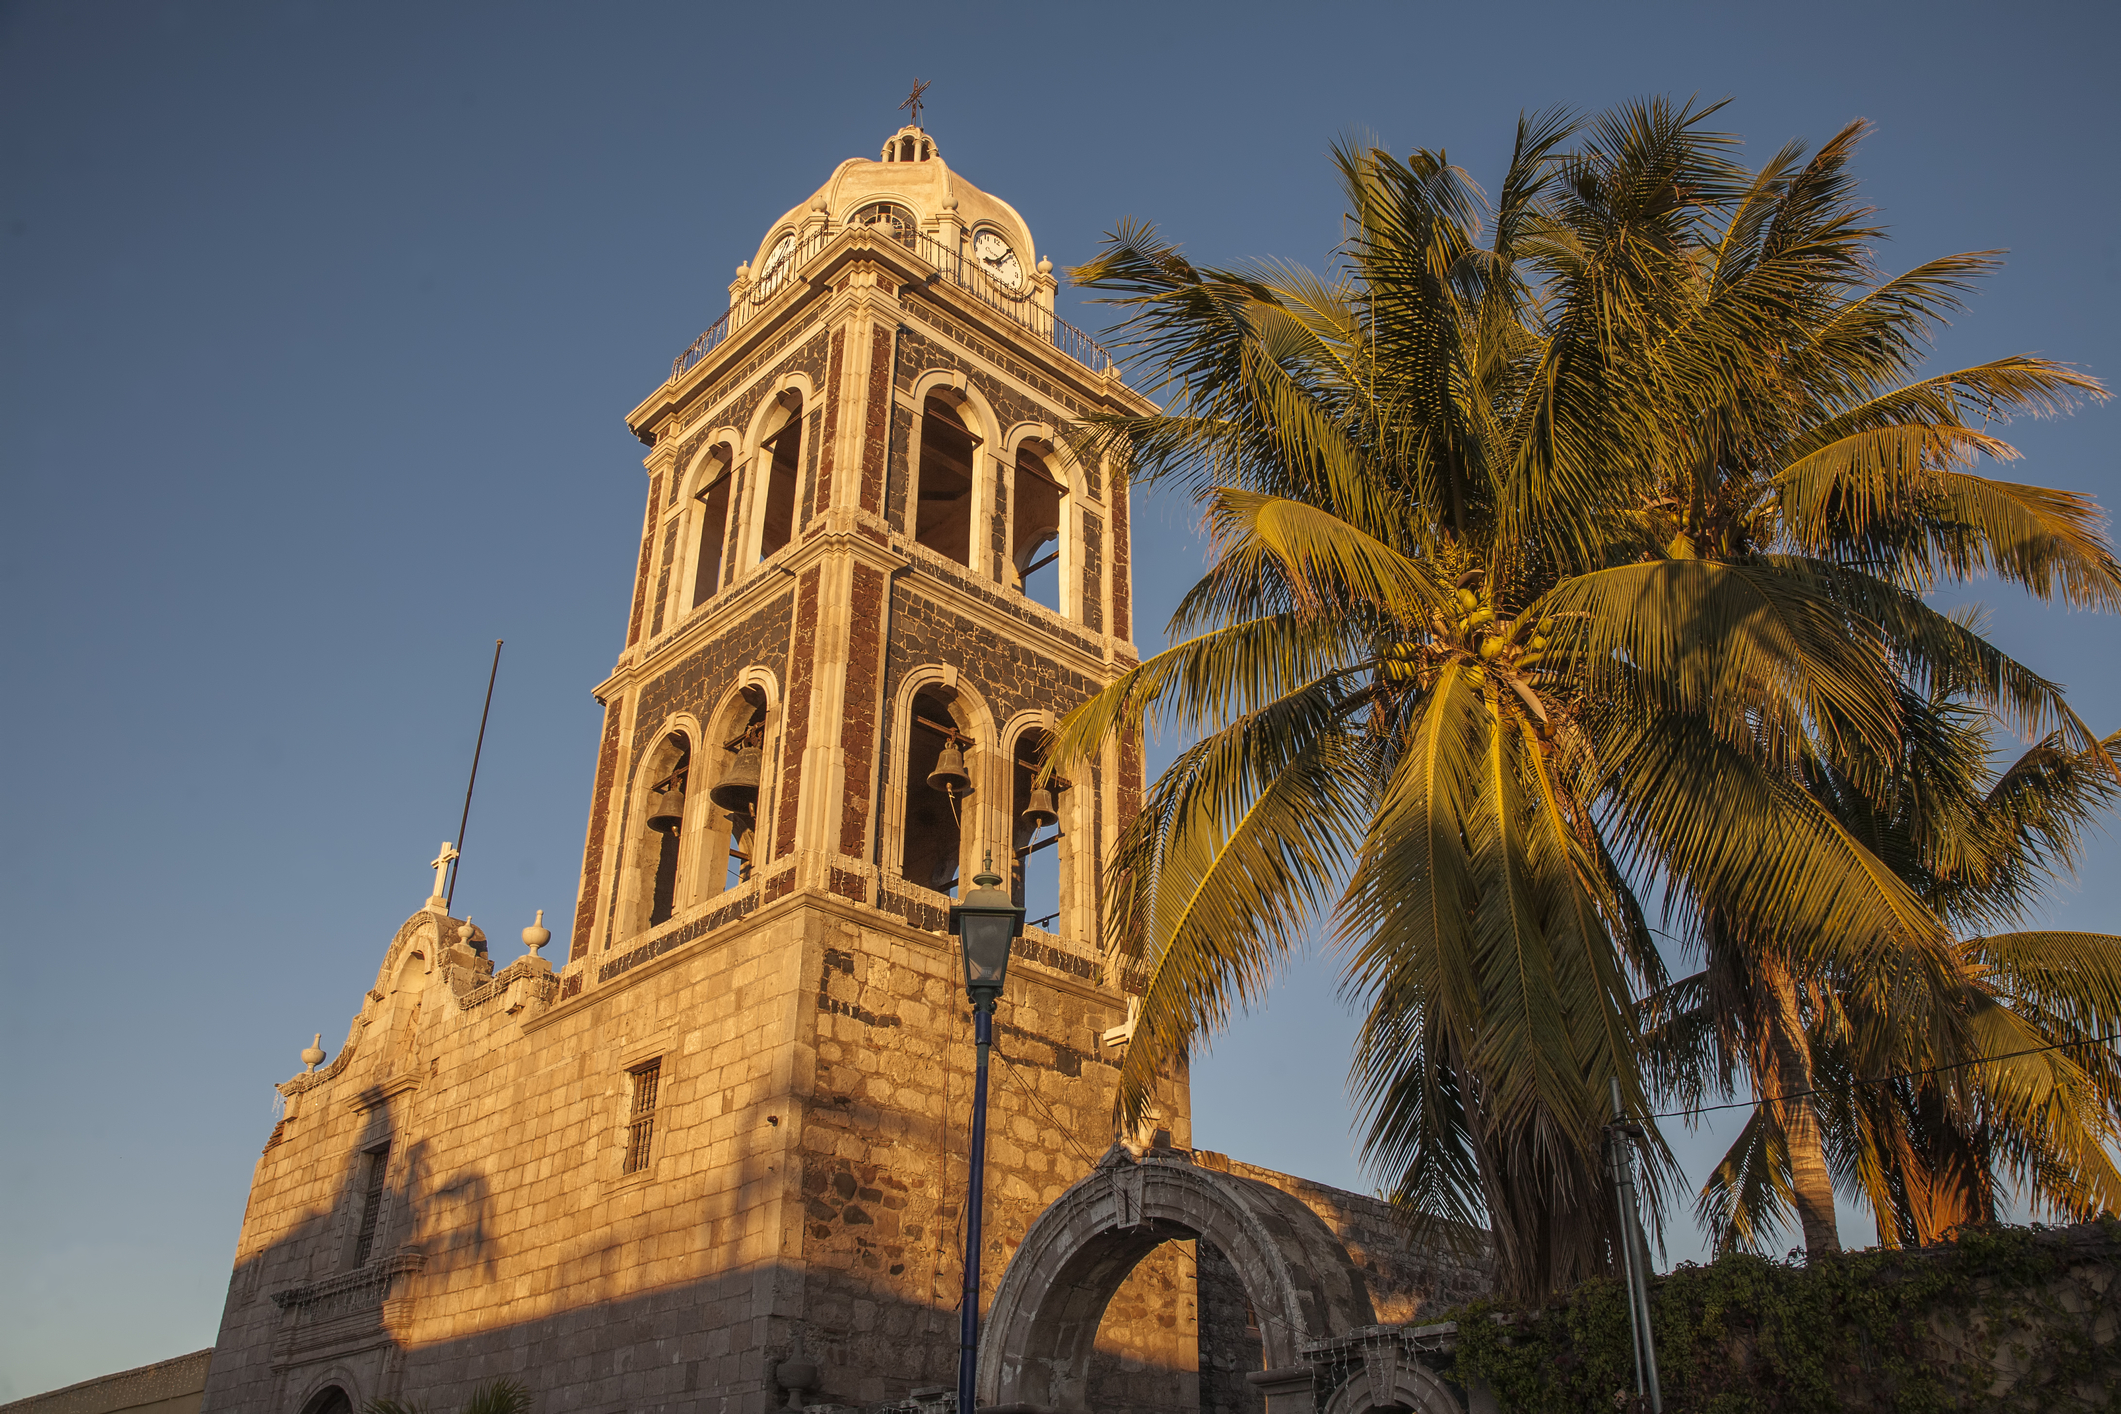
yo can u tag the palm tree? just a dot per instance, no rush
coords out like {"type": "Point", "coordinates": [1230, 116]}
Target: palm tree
{"type": "Point", "coordinates": [2031, 1091]}
{"type": "Point", "coordinates": [1799, 442]}
{"type": "Point", "coordinates": [501, 1396]}
{"type": "Point", "coordinates": [1443, 699]}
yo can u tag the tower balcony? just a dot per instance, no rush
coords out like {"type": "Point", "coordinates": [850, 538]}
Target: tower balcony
{"type": "Point", "coordinates": [938, 262]}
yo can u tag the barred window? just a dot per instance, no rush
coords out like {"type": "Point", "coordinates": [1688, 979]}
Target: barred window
{"type": "Point", "coordinates": [640, 1120]}
{"type": "Point", "coordinates": [371, 1204]}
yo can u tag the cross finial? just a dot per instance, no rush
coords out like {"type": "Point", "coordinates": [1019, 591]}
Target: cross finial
{"type": "Point", "coordinates": [913, 100]}
{"type": "Point", "coordinates": [440, 864]}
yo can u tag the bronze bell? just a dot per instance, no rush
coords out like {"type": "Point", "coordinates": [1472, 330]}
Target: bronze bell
{"type": "Point", "coordinates": [666, 809]}
{"type": "Point", "coordinates": [1039, 812]}
{"type": "Point", "coordinates": [949, 775]}
{"type": "Point", "coordinates": [738, 791]}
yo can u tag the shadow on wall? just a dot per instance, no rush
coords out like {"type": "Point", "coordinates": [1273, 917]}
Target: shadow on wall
{"type": "Point", "coordinates": [421, 1316]}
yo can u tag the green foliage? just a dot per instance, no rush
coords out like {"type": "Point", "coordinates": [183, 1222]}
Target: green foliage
{"type": "Point", "coordinates": [502, 1396]}
{"type": "Point", "coordinates": [2001, 1318]}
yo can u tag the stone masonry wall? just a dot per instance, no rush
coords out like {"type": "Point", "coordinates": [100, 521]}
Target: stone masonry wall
{"type": "Point", "coordinates": [803, 1188]}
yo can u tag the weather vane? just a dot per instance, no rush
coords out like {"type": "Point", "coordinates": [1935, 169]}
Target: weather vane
{"type": "Point", "coordinates": [920, 86]}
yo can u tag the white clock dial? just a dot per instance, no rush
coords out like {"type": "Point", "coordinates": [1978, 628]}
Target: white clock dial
{"type": "Point", "coordinates": [995, 257]}
{"type": "Point", "coordinates": [777, 262]}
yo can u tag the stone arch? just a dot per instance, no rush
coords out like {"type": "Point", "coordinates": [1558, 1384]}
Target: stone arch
{"type": "Point", "coordinates": [751, 702]}
{"type": "Point", "coordinates": [1390, 1378]}
{"type": "Point", "coordinates": [332, 1393]}
{"type": "Point", "coordinates": [711, 523]}
{"type": "Point", "coordinates": [969, 712]}
{"type": "Point", "coordinates": [770, 512]}
{"type": "Point", "coordinates": [1035, 1347]}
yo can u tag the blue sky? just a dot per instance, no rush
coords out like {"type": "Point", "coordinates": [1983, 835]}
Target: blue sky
{"type": "Point", "coordinates": [317, 324]}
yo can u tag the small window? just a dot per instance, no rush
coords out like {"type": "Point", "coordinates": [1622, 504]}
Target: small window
{"type": "Point", "coordinates": [1035, 547]}
{"type": "Point", "coordinates": [779, 514]}
{"type": "Point", "coordinates": [640, 1115]}
{"type": "Point", "coordinates": [714, 533]}
{"type": "Point", "coordinates": [371, 1203]}
{"type": "Point", "coordinates": [942, 514]}
{"type": "Point", "coordinates": [889, 218]}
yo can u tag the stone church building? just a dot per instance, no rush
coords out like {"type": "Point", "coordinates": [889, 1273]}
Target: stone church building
{"type": "Point", "coordinates": [713, 1158]}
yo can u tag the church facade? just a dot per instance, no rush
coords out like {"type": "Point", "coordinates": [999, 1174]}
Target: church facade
{"type": "Point", "coordinates": [713, 1157]}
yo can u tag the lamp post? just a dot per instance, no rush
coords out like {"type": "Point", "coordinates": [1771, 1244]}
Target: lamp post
{"type": "Point", "coordinates": [986, 921]}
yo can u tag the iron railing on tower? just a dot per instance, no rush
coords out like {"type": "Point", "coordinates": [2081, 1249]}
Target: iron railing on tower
{"type": "Point", "coordinates": [949, 264]}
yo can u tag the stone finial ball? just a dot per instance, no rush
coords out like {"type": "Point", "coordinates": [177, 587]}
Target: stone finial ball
{"type": "Point", "coordinates": [537, 935]}
{"type": "Point", "coordinates": [313, 1053]}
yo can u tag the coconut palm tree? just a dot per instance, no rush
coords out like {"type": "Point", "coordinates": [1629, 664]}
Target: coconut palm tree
{"type": "Point", "coordinates": [1801, 442]}
{"type": "Point", "coordinates": [2030, 1092]}
{"type": "Point", "coordinates": [1438, 684]}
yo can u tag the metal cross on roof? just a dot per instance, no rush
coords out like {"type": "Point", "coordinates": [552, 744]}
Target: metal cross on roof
{"type": "Point", "coordinates": [913, 101]}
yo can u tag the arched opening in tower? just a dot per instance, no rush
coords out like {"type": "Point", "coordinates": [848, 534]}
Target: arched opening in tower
{"type": "Point", "coordinates": [1035, 530]}
{"type": "Point", "coordinates": [742, 736]}
{"type": "Point", "coordinates": [663, 828]}
{"type": "Point", "coordinates": [714, 526]}
{"type": "Point", "coordinates": [933, 828]}
{"type": "Point", "coordinates": [1037, 834]}
{"type": "Point", "coordinates": [777, 516]}
{"type": "Point", "coordinates": [942, 516]}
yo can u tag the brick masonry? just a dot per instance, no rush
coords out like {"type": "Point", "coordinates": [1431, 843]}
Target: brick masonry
{"type": "Point", "coordinates": [585, 911]}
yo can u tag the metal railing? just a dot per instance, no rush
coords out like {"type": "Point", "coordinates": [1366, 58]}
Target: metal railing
{"type": "Point", "coordinates": [952, 265]}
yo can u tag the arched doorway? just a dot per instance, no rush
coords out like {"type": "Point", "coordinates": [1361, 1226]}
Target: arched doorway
{"type": "Point", "coordinates": [329, 1400]}
{"type": "Point", "coordinates": [1035, 1348]}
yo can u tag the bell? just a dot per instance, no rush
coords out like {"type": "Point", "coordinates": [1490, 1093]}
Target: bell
{"type": "Point", "coordinates": [666, 809]}
{"type": "Point", "coordinates": [738, 791]}
{"type": "Point", "coordinates": [949, 775]}
{"type": "Point", "coordinates": [1040, 813]}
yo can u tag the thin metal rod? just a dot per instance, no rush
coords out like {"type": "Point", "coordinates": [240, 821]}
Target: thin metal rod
{"type": "Point", "coordinates": [968, 1309]}
{"type": "Point", "coordinates": [1627, 1255]}
{"type": "Point", "coordinates": [1638, 1258]}
{"type": "Point", "coordinates": [465, 819]}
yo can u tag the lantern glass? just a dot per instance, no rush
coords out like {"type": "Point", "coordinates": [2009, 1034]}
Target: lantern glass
{"type": "Point", "coordinates": [986, 938]}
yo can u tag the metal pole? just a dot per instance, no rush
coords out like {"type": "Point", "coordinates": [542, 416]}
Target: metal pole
{"type": "Point", "coordinates": [450, 896]}
{"type": "Point", "coordinates": [1638, 1254]}
{"type": "Point", "coordinates": [1627, 1253]}
{"type": "Point", "coordinates": [968, 1310]}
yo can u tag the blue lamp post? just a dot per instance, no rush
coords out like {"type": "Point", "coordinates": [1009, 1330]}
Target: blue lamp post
{"type": "Point", "coordinates": [986, 921]}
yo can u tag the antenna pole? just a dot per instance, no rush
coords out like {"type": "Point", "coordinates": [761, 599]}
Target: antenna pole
{"type": "Point", "coordinates": [465, 818]}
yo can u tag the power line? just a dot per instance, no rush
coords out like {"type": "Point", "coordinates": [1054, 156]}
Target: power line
{"type": "Point", "coordinates": [1884, 1079]}
{"type": "Point", "coordinates": [1009, 1066]}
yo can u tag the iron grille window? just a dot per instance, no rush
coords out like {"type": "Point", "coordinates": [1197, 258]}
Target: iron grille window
{"type": "Point", "coordinates": [371, 1204]}
{"type": "Point", "coordinates": [640, 1121]}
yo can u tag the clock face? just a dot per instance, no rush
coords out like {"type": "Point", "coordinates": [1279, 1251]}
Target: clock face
{"type": "Point", "coordinates": [777, 262]}
{"type": "Point", "coordinates": [997, 260]}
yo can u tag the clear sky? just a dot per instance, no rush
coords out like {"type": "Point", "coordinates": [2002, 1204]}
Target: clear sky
{"type": "Point", "coordinates": [317, 324]}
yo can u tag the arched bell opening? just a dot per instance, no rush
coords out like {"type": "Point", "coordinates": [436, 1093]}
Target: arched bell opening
{"type": "Point", "coordinates": [781, 474]}
{"type": "Point", "coordinates": [1038, 838]}
{"type": "Point", "coordinates": [329, 1400]}
{"type": "Point", "coordinates": [659, 831]}
{"type": "Point", "coordinates": [717, 481]}
{"type": "Point", "coordinates": [939, 785]}
{"type": "Point", "coordinates": [734, 778]}
{"type": "Point", "coordinates": [1037, 515]}
{"type": "Point", "coordinates": [941, 516]}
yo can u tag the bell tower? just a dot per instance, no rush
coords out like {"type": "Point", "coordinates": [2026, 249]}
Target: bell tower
{"type": "Point", "coordinates": [872, 575]}
{"type": "Point", "coordinates": [717, 1163]}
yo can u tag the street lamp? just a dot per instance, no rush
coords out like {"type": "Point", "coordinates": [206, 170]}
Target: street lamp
{"type": "Point", "coordinates": [986, 921]}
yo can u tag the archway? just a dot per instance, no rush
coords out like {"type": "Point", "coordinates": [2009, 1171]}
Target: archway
{"type": "Point", "coordinates": [1035, 1348]}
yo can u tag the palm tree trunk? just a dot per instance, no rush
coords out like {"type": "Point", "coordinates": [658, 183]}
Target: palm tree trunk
{"type": "Point", "coordinates": [1811, 1184]}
